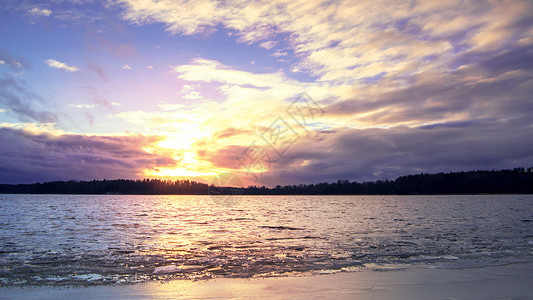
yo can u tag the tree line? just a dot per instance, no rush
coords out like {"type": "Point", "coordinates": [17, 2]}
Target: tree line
{"type": "Point", "coordinates": [512, 181]}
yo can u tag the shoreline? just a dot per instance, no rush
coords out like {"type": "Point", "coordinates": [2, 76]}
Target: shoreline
{"type": "Point", "coordinates": [261, 195]}
{"type": "Point", "coordinates": [514, 281]}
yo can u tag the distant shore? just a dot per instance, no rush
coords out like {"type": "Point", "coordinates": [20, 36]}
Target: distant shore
{"type": "Point", "coordinates": [513, 281]}
{"type": "Point", "coordinates": [515, 181]}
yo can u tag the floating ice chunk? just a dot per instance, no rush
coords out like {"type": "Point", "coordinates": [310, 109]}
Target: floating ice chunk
{"type": "Point", "coordinates": [56, 278]}
{"type": "Point", "coordinates": [329, 271]}
{"type": "Point", "coordinates": [88, 277]}
{"type": "Point", "coordinates": [167, 269]}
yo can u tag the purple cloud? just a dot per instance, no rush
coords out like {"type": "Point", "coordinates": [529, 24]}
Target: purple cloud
{"type": "Point", "coordinates": [27, 157]}
{"type": "Point", "coordinates": [372, 154]}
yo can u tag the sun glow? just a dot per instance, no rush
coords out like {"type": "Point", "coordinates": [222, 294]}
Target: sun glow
{"type": "Point", "coordinates": [177, 172]}
{"type": "Point", "coordinates": [180, 146]}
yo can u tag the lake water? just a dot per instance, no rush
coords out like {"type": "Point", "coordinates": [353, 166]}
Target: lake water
{"type": "Point", "coordinates": [107, 239]}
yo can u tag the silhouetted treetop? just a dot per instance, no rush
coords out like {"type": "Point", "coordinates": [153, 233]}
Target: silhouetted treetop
{"type": "Point", "coordinates": [515, 181]}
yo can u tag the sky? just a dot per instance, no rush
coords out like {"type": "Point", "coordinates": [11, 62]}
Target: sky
{"type": "Point", "coordinates": [266, 92]}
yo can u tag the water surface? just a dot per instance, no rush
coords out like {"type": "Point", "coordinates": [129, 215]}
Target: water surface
{"type": "Point", "coordinates": [105, 239]}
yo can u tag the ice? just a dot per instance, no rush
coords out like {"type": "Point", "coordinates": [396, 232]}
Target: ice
{"type": "Point", "coordinates": [167, 269]}
{"type": "Point", "coordinates": [449, 257]}
{"type": "Point", "coordinates": [88, 277]}
{"type": "Point", "coordinates": [99, 239]}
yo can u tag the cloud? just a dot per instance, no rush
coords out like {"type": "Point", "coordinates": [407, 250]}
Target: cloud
{"type": "Point", "coordinates": [268, 90]}
{"type": "Point", "coordinates": [407, 86]}
{"type": "Point", "coordinates": [150, 67]}
{"type": "Point", "coordinates": [371, 154]}
{"type": "Point", "coordinates": [22, 102]}
{"type": "Point", "coordinates": [40, 12]}
{"type": "Point", "coordinates": [99, 42]}
{"type": "Point", "coordinates": [98, 70]}
{"type": "Point", "coordinates": [95, 94]}
{"type": "Point", "coordinates": [496, 87]}
{"type": "Point", "coordinates": [35, 128]}
{"type": "Point", "coordinates": [15, 64]}
{"type": "Point", "coordinates": [192, 96]}
{"type": "Point", "coordinates": [28, 157]}
{"type": "Point", "coordinates": [62, 66]}
{"type": "Point", "coordinates": [186, 88]}
{"type": "Point", "coordinates": [212, 71]}
{"type": "Point", "coordinates": [251, 99]}
{"type": "Point", "coordinates": [82, 105]}
{"type": "Point", "coordinates": [391, 37]}
{"type": "Point", "coordinates": [230, 132]}
{"type": "Point", "coordinates": [268, 44]}
{"type": "Point", "coordinates": [474, 117]}
{"type": "Point", "coordinates": [194, 16]}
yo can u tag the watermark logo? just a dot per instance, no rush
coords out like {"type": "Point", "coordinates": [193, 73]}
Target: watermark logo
{"type": "Point", "coordinates": [226, 189]}
{"type": "Point", "coordinates": [278, 137]}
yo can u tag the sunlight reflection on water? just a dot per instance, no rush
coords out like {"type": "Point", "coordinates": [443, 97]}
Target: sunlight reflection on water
{"type": "Point", "coordinates": [96, 239]}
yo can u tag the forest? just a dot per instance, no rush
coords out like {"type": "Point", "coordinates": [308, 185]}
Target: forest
{"type": "Point", "coordinates": [513, 181]}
